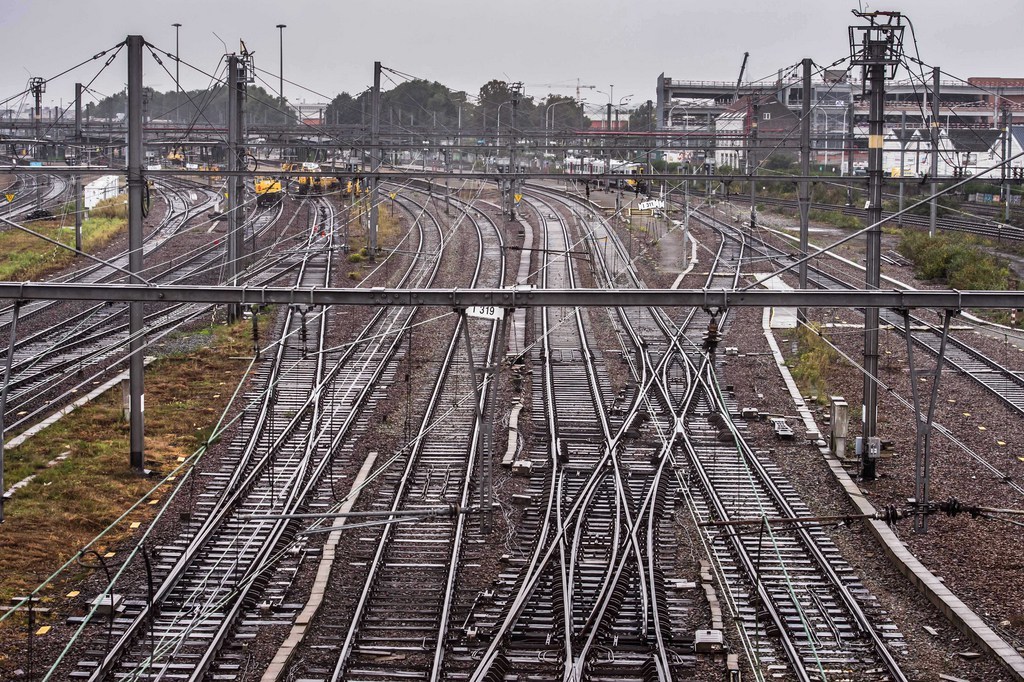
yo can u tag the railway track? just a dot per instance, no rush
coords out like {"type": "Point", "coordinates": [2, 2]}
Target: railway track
{"type": "Point", "coordinates": [991, 226]}
{"type": "Point", "coordinates": [800, 606]}
{"type": "Point", "coordinates": [180, 211]}
{"type": "Point", "coordinates": [641, 635]}
{"type": "Point", "coordinates": [797, 601]}
{"type": "Point", "coordinates": [1004, 384]}
{"type": "Point", "coordinates": [307, 409]}
{"type": "Point", "coordinates": [999, 381]}
{"type": "Point", "coordinates": [585, 599]}
{"type": "Point", "coordinates": [586, 593]}
{"type": "Point", "coordinates": [205, 577]}
{"type": "Point", "coordinates": [692, 415]}
{"type": "Point", "coordinates": [33, 193]}
{"type": "Point", "coordinates": [402, 612]}
{"type": "Point", "coordinates": [87, 345]}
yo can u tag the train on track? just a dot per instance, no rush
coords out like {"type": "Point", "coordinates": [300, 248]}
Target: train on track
{"type": "Point", "coordinates": [622, 174]}
{"type": "Point", "coordinates": [318, 183]}
{"type": "Point", "coordinates": [268, 191]}
{"type": "Point", "coordinates": [628, 175]}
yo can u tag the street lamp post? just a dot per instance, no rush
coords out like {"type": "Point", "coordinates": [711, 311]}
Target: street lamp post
{"type": "Point", "coordinates": [280, 75]}
{"type": "Point", "coordinates": [686, 115]}
{"type": "Point", "coordinates": [177, 71]}
{"type": "Point", "coordinates": [499, 121]}
{"type": "Point", "coordinates": [548, 109]}
{"type": "Point", "coordinates": [608, 127]}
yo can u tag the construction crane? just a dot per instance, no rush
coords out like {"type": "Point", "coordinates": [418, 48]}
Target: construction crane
{"type": "Point", "coordinates": [563, 86]}
{"type": "Point", "coordinates": [739, 80]}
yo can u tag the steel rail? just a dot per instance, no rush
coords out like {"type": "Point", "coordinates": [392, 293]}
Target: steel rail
{"type": "Point", "coordinates": [242, 479]}
{"type": "Point", "coordinates": [399, 496]}
{"type": "Point", "coordinates": [645, 378]}
{"type": "Point", "coordinates": [493, 357]}
{"type": "Point", "coordinates": [559, 536]}
{"type": "Point", "coordinates": [708, 380]}
{"type": "Point", "coordinates": [368, 357]}
{"type": "Point", "coordinates": [294, 488]}
{"type": "Point", "coordinates": [992, 376]}
{"type": "Point", "coordinates": [101, 342]}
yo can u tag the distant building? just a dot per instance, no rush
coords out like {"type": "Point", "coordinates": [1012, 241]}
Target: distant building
{"type": "Point", "coordinates": [978, 102]}
{"type": "Point", "coordinates": [310, 113]}
{"type": "Point", "coordinates": [602, 124]}
{"type": "Point", "coordinates": [760, 122]}
{"type": "Point", "coordinates": [1000, 92]}
{"type": "Point", "coordinates": [961, 152]}
{"type": "Point", "coordinates": [706, 115]}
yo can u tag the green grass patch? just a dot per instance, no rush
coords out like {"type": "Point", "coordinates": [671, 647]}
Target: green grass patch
{"type": "Point", "coordinates": [960, 261]}
{"type": "Point", "coordinates": [388, 228]}
{"type": "Point", "coordinates": [66, 505]}
{"type": "Point", "coordinates": [27, 257]}
{"type": "Point", "coordinates": [813, 360]}
{"type": "Point", "coordinates": [835, 218]}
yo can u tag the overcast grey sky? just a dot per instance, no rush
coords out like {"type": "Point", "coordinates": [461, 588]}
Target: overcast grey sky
{"type": "Point", "coordinates": [330, 47]}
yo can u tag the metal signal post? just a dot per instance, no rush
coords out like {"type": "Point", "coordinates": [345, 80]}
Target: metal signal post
{"type": "Point", "coordinates": [879, 48]}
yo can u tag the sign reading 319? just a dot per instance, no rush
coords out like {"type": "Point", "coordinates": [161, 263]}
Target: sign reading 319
{"type": "Point", "coordinates": [486, 312]}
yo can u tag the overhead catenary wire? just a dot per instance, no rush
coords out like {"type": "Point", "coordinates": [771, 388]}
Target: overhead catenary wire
{"type": "Point", "coordinates": [885, 219]}
{"type": "Point", "coordinates": [98, 55]}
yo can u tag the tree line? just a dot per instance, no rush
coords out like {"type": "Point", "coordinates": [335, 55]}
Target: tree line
{"type": "Point", "coordinates": [411, 104]}
{"type": "Point", "coordinates": [197, 107]}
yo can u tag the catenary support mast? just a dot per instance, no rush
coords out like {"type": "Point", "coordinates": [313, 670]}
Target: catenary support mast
{"type": "Point", "coordinates": [879, 49]}
{"type": "Point", "coordinates": [136, 186]}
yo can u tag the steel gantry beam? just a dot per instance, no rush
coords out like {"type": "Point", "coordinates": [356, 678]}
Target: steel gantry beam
{"type": "Point", "coordinates": [388, 173]}
{"type": "Point", "coordinates": [948, 299]}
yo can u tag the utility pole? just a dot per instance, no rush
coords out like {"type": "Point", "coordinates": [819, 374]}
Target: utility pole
{"type": "Point", "coordinates": [3, 396]}
{"type": "Point", "coordinates": [78, 177]}
{"type": "Point", "coordinates": [903, 152]}
{"type": "Point", "coordinates": [177, 73]}
{"type": "Point", "coordinates": [280, 69]}
{"type": "Point", "coordinates": [136, 186]}
{"type": "Point", "coordinates": [686, 211]}
{"type": "Point", "coordinates": [78, 113]}
{"type": "Point", "coordinates": [608, 153]}
{"type": "Point", "coordinates": [38, 86]}
{"type": "Point", "coordinates": [374, 163]}
{"type": "Point", "coordinates": [1005, 189]}
{"type": "Point", "coordinates": [647, 141]}
{"type": "Point", "coordinates": [935, 152]}
{"type": "Point", "coordinates": [805, 170]}
{"type": "Point", "coordinates": [848, 152]}
{"type": "Point", "coordinates": [752, 159]}
{"type": "Point", "coordinates": [516, 91]}
{"type": "Point", "coordinates": [881, 48]}
{"type": "Point", "coordinates": [236, 163]}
